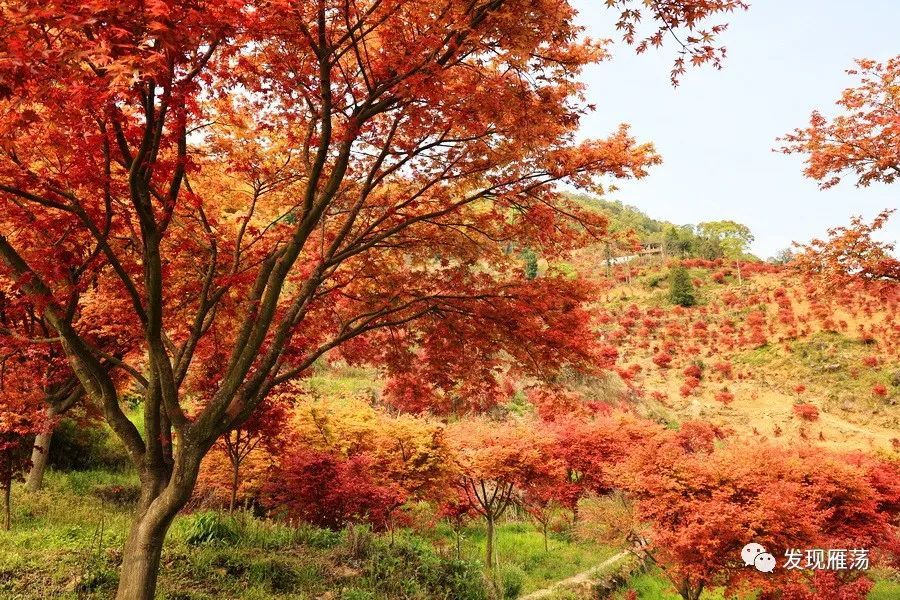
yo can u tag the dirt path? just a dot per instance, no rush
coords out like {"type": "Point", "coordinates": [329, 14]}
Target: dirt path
{"type": "Point", "coordinates": [576, 580]}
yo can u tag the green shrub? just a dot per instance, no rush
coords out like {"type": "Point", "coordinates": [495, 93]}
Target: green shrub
{"type": "Point", "coordinates": [316, 537]}
{"type": "Point", "coordinates": [653, 280]}
{"type": "Point", "coordinates": [512, 579]}
{"type": "Point", "coordinates": [76, 447]}
{"type": "Point", "coordinates": [681, 289]}
{"type": "Point", "coordinates": [411, 568]}
{"type": "Point", "coordinates": [211, 528]}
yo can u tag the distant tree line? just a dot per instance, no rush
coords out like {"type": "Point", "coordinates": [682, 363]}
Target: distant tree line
{"type": "Point", "coordinates": [709, 240]}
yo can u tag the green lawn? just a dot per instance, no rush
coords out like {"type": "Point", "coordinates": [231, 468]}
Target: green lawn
{"type": "Point", "coordinates": [66, 543]}
{"type": "Point", "coordinates": [520, 552]}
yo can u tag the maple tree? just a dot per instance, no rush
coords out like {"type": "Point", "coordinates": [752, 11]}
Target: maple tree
{"type": "Point", "coordinates": [20, 418]}
{"type": "Point", "coordinates": [330, 491]}
{"type": "Point", "coordinates": [360, 464]}
{"type": "Point", "coordinates": [24, 357]}
{"type": "Point", "coordinates": [588, 449]}
{"type": "Point", "coordinates": [457, 509]}
{"type": "Point", "coordinates": [28, 345]}
{"type": "Point", "coordinates": [702, 504]}
{"type": "Point", "coordinates": [852, 257]}
{"type": "Point", "coordinates": [539, 501]}
{"type": "Point", "coordinates": [263, 427]}
{"type": "Point", "coordinates": [301, 178]}
{"type": "Point", "coordinates": [495, 461]}
{"type": "Point", "coordinates": [863, 139]}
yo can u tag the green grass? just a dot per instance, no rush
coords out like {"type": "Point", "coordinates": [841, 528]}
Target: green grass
{"type": "Point", "coordinates": [832, 366]}
{"type": "Point", "coordinates": [763, 355]}
{"type": "Point", "coordinates": [519, 546]}
{"type": "Point", "coordinates": [343, 381]}
{"type": "Point", "coordinates": [66, 542]}
{"type": "Point", "coordinates": [885, 590]}
{"type": "Point", "coordinates": [650, 587]}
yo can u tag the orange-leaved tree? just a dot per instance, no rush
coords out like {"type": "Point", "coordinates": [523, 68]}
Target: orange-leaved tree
{"type": "Point", "coordinates": [294, 178]}
{"type": "Point", "coordinates": [495, 461]}
{"type": "Point", "coordinates": [862, 140]}
{"type": "Point", "coordinates": [703, 504]}
{"type": "Point", "coordinates": [852, 257]}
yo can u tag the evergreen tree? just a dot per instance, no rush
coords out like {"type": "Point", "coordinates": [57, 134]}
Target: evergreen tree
{"type": "Point", "coordinates": [681, 290]}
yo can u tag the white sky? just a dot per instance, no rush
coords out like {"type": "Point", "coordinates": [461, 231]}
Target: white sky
{"type": "Point", "coordinates": [716, 130]}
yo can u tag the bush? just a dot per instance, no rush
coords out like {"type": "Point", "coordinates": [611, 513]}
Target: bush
{"type": "Point", "coordinates": [681, 289]}
{"type": "Point", "coordinates": [512, 579]}
{"type": "Point", "coordinates": [411, 568]}
{"type": "Point", "coordinates": [653, 280]}
{"type": "Point", "coordinates": [211, 528]}
{"type": "Point", "coordinates": [76, 447]}
{"type": "Point", "coordinates": [807, 412]}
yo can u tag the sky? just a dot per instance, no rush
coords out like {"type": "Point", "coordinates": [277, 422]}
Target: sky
{"type": "Point", "coordinates": [716, 130]}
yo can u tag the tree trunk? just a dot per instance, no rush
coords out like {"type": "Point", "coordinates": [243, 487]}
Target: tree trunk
{"type": "Point", "coordinates": [740, 279]}
{"type": "Point", "coordinates": [687, 592]}
{"type": "Point", "coordinates": [489, 546]}
{"type": "Point", "coordinates": [546, 547]}
{"type": "Point", "coordinates": [7, 511]}
{"type": "Point", "coordinates": [40, 454]}
{"type": "Point", "coordinates": [140, 562]}
{"type": "Point", "coordinates": [458, 544]}
{"type": "Point", "coordinates": [235, 483]}
{"type": "Point", "coordinates": [161, 499]}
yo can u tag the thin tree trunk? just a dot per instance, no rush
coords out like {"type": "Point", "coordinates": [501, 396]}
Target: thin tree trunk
{"type": "Point", "coordinates": [546, 547]}
{"type": "Point", "coordinates": [740, 279]}
{"type": "Point", "coordinates": [235, 482]}
{"type": "Point", "coordinates": [458, 545]}
{"type": "Point", "coordinates": [40, 455]}
{"type": "Point", "coordinates": [7, 512]}
{"type": "Point", "coordinates": [489, 546]}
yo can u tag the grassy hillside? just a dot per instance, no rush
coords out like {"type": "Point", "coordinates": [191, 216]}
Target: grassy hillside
{"type": "Point", "coordinates": [67, 540]}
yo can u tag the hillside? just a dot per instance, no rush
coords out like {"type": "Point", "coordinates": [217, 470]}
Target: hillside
{"type": "Point", "coordinates": [749, 354]}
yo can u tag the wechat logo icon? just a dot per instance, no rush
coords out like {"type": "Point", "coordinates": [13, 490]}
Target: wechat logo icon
{"type": "Point", "coordinates": [754, 555]}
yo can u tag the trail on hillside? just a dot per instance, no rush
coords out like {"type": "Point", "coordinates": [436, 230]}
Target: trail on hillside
{"type": "Point", "coordinates": [576, 580]}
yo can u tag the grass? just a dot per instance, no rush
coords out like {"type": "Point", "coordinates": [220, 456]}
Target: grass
{"type": "Point", "coordinates": [885, 590]}
{"type": "Point", "coordinates": [520, 548]}
{"type": "Point", "coordinates": [343, 381]}
{"type": "Point", "coordinates": [649, 587]}
{"type": "Point", "coordinates": [832, 366]}
{"type": "Point", "coordinates": [66, 543]}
